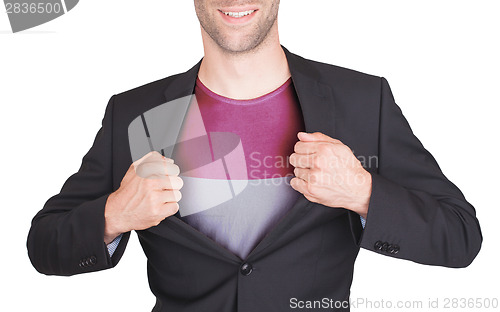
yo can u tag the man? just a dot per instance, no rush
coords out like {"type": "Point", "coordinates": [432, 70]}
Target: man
{"type": "Point", "coordinates": [263, 247]}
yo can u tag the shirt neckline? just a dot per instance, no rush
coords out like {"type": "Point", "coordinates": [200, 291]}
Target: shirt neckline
{"type": "Point", "coordinates": [256, 100]}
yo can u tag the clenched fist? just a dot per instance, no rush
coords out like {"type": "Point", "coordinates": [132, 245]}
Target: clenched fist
{"type": "Point", "coordinates": [327, 172]}
{"type": "Point", "coordinates": [148, 193]}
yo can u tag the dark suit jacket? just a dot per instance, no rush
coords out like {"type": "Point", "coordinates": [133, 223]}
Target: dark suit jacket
{"type": "Point", "coordinates": [415, 212]}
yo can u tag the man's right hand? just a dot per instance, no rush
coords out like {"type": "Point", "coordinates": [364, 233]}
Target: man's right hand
{"type": "Point", "coordinates": [148, 193]}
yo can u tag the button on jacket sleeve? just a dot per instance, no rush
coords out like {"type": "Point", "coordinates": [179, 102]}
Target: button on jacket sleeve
{"type": "Point", "coordinates": [67, 235]}
{"type": "Point", "coordinates": [415, 212]}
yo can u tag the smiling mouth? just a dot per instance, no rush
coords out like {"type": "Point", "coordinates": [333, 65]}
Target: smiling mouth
{"type": "Point", "coordinates": [239, 14]}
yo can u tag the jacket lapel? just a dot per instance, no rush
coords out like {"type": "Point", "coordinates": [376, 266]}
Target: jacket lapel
{"type": "Point", "coordinates": [183, 84]}
{"type": "Point", "coordinates": [315, 98]}
{"type": "Point", "coordinates": [318, 109]}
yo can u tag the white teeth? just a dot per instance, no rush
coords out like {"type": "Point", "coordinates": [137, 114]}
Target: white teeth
{"type": "Point", "coordinates": [239, 14]}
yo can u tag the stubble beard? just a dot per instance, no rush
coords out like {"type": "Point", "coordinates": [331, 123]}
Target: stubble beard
{"type": "Point", "coordinates": [247, 44]}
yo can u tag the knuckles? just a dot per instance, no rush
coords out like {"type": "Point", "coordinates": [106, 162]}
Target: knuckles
{"type": "Point", "coordinates": [172, 208]}
{"type": "Point", "coordinates": [178, 195]}
{"type": "Point", "coordinates": [177, 182]}
{"type": "Point", "coordinates": [325, 149]}
{"type": "Point", "coordinates": [173, 169]}
{"type": "Point", "coordinates": [310, 189]}
{"type": "Point", "coordinates": [156, 169]}
{"type": "Point", "coordinates": [318, 161]}
{"type": "Point", "coordinates": [314, 176]}
{"type": "Point", "coordinates": [291, 159]}
{"type": "Point", "coordinates": [296, 146]}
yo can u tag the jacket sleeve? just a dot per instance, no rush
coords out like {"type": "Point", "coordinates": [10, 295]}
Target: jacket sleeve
{"type": "Point", "coordinates": [67, 236]}
{"type": "Point", "coordinates": [415, 212]}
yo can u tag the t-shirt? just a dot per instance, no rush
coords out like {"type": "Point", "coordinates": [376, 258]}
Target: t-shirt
{"type": "Point", "coordinates": [234, 161]}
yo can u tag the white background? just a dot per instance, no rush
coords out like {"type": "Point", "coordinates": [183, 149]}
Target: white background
{"type": "Point", "coordinates": [440, 58]}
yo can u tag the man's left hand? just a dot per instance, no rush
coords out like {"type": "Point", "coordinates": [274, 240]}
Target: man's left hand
{"type": "Point", "coordinates": [327, 172]}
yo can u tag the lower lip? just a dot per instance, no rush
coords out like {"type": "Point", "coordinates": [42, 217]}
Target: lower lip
{"type": "Point", "coordinates": [237, 20]}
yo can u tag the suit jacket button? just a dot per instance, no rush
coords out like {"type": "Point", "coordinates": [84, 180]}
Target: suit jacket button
{"type": "Point", "coordinates": [390, 249]}
{"type": "Point", "coordinates": [384, 246]}
{"type": "Point", "coordinates": [93, 260]}
{"type": "Point", "coordinates": [396, 249]}
{"type": "Point", "coordinates": [246, 269]}
{"type": "Point", "coordinates": [83, 263]}
{"type": "Point", "coordinates": [378, 245]}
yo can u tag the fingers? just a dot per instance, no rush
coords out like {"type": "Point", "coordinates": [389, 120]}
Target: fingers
{"type": "Point", "coordinates": [302, 147]}
{"type": "Point", "coordinates": [312, 147]}
{"type": "Point", "coordinates": [170, 196]}
{"type": "Point", "coordinates": [316, 137]}
{"type": "Point", "coordinates": [303, 161]}
{"type": "Point", "coordinates": [154, 156]}
{"type": "Point", "coordinates": [311, 176]}
{"type": "Point", "coordinates": [302, 173]}
{"type": "Point", "coordinates": [301, 186]}
{"type": "Point", "coordinates": [157, 169]}
{"type": "Point", "coordinates": [165, 183]}
{"type": "Point", "coordinates": [171, 208]}
{"type": "Point", "coordinates": [171, 183]}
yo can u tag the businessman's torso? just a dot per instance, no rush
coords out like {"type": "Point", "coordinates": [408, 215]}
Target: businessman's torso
{"type": "Point", "coordinates": [308, 255]}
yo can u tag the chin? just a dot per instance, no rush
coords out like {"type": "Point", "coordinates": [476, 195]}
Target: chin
{"type": "Point", "coordinates": [238, 44]}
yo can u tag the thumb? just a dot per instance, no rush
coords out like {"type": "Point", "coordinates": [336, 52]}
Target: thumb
{"type": "Point", "coordinates": [316, 137]}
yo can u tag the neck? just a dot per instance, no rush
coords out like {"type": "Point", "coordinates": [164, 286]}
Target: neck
{"type": "Point", "coordinates": [245, 75]}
